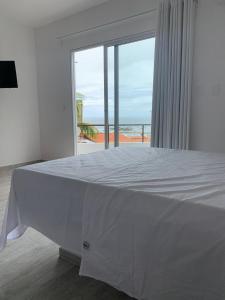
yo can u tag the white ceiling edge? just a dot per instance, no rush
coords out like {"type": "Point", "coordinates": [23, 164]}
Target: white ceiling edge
{"type": "Point", "coordinates": [38, 13]}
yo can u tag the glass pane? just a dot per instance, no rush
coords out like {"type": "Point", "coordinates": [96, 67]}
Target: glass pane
{"type": "Point", "coordinates": [89, 86]}
{"type": "Point", "coordinates": [136, 67]}
{"type": "Point", "coordinates": [111, 95]}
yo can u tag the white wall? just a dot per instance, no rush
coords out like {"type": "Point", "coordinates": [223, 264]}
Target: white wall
{"type": "Point", "coordinates": [54, 75]}
{"type": "Point", "coordinates": [208, 105]}
{"type": "Point", "coordinates": [19, 118]}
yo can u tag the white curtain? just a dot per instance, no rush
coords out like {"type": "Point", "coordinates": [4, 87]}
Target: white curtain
{"type": "Point", "coordinates": [173, 74]}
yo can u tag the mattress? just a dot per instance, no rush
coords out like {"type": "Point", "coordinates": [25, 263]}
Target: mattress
{"type": "Point", "coordinates": [49, 196]}
{"type": "Point", "coordinates": [150, 222]}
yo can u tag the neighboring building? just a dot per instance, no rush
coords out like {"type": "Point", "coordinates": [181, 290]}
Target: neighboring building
{"type": "Point", "coordinates": [79, 107]}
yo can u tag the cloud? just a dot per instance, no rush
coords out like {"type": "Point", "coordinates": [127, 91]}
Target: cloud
{"type": "Point", "coordinates": [135, 84]}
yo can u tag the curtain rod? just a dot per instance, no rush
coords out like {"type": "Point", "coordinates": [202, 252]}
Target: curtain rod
{"type": "Point", "coordinates": [104, 25]}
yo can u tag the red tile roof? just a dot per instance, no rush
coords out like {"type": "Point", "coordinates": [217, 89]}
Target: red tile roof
{"type": "Point", "coordinates": [100, 138]}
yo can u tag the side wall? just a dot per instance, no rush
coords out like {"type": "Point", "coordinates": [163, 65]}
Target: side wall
{"type": "Point", "coordinates": [54, 70]}
{"type": "Point", "coordinates": [208, 105]}
{"type": "Point", "coordinates": [19, 111]}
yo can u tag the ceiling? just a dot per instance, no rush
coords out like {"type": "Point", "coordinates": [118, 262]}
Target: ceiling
{"type": "Point", "coordinates": [38, 13]}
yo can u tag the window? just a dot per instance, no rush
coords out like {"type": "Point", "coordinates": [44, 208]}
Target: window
{"type": "Point", "coordinates": [113, 95]}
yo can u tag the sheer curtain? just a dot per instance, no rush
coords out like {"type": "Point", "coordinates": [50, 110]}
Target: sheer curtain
{"type": "Point", "coordinates": [173, 74]}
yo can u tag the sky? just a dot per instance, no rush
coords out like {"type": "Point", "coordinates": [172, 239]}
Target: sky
{"type": "Point", "coordinates": [136, 67]}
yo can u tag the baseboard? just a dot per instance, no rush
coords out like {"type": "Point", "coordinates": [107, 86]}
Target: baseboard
{"type": "Point", "coordinates": [10, 167]}
{"type": "Point", "coordinates": [69, 257]}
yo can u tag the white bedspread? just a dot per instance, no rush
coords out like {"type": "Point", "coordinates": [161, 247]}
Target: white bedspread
{"type": "Point", "coordinates": [153, 220]}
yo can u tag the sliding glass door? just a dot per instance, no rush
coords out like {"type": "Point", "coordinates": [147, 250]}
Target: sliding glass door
{"type": "Point", "coordinates": [113, 95]}
{"type": "Point", "coordinates": [135, 74]}
{"type": "Point", "coordinates": [89, 100]}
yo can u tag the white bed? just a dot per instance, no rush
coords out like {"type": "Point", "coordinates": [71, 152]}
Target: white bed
{"type": "Point", "coordinates": [150, 222]}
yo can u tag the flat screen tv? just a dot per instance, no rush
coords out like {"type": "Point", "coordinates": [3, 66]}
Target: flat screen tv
{"type": "Point", "coordinates": [8, 78]}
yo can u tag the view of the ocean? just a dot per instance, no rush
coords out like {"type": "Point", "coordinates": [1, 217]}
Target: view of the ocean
{"type": "Point", "coordinates": [128, 126]}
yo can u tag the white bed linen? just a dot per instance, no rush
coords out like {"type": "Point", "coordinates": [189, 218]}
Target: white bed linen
{"type": "Point", "coordinates": [153, 219]}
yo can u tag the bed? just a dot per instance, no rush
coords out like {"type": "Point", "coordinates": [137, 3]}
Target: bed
{"type": "Point", "coordinates": [150, 222]}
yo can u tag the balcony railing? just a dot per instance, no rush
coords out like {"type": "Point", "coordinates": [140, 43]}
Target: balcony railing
{"type": "Point", "coordinates": [128, 133]}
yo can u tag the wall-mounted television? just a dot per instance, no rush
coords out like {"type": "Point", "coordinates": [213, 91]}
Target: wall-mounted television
{"type": "Point", "coordinates": [8, 77]}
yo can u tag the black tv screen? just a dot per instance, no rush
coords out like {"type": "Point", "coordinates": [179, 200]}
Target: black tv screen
{"type": "Point", "coordinates": [8, 78]}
